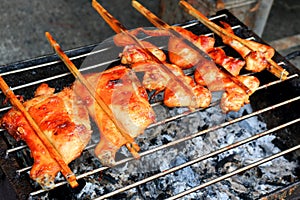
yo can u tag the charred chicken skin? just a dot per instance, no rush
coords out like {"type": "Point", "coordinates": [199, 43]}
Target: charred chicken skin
{"type": "Point", "coordinates": [121, 90]}
{"type": "Point", "coordinates": [63, 119]}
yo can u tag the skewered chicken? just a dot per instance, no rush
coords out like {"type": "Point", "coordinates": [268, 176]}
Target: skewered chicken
{"type": "Point", "coordinates": [174, 94]}
{"type": "Point", "coordinates": [206, 73]}
{"type": "Point", "coordinates": [183, 55]}
{"type": "Point", "coordinates": [143, 50]}
{"type": "Point", "coordinates": [234, 97]}
{"type": "Point", "coordinates": [134, 52]}
{"type": "Point", "coordinates": [154, 78]}
{"type": "Point", "coordinates": [121, 90]}
{"type": "Point", "coordinates": [256, 60]}
{"type": "Point", "coordinates": [257, 56]}
{"type": "Point", "coordinates": [206, 44]}
{"type": "Point", "coordinates": [63, 119]}
{"type": "Point", "coordinates": [180, 90]}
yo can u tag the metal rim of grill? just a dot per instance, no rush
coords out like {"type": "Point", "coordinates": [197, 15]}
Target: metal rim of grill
{"type": "Point", "coordinates": [274, 83]}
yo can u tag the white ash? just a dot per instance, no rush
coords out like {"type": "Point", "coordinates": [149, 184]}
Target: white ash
{"type": "Point", "coordinates": [251, 184]}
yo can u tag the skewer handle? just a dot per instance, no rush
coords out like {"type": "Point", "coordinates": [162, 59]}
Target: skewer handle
{"type": "Point", "coordinates": [113, 22]}
{"type": "Point", "coordinates": [66, 171]}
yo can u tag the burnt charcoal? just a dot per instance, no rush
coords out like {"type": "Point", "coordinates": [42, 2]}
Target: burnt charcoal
{"type": "Point", "coordinates": [245, 196]}
{"type": "Point", "coordinates": [186, 174]}
{"type": "Point", "coordinates": [220, 163]}
{"type": "Point", "coordinates": [153, 141]}
{"type": "Point", "coordinates": [119, 156]}
{"type": "Point", "coordinates": [78, 189]}
{"type": "Point", "coordinates": [280, 143]}
{"type": "Point", "coordinates": [61, 193]}
{"type": "Point", "coordinates": [297, 169]}
{"type": "Point", "coordinates": [240, 133]}
{"type": "Point", "coordinates": [120, 196]}
{"type": "Point", "coordinates": [163, 196]}
{"type": "Point", "coordinates": [109, 178]}
{"type": "Point", "coordinates": [166, 139]}
{"type": "Point", "coordinates": [204, 127]}
{"type": "Point", "coordinates": [259, 173]}
{"type": "Point", "coordinates": [287, 178]}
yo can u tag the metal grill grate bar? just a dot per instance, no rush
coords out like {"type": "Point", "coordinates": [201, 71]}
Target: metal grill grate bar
{"type": "Point", "coordinates": [206, 157]}
{"type": "Point", "coordinates": [189, 138]}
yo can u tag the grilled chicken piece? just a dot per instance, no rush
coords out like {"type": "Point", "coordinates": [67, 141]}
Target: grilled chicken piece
{"type": "Point", "coordinates": [154, 79]}
{"type": "Point", "coordinates": [231, 64]}
{"type": "Point", "coordinates": [64, 120]}
{"type": "Point", "coordinates": [256, 61]}
{"type": "Point", "coordinates": [184, 56]}
{"type": "Point", "coordinates": [234, 97]}
{"type": "Point", "coordinates": [174, 94]}
{"type": "Point", "coordinates": [180, 92]}
{"type": "Point", "coordinates": [121, 90]}
{"type": "Point", "coordinates": [133, 53]}
{"type": "Point", "coordinates": [206, 44]}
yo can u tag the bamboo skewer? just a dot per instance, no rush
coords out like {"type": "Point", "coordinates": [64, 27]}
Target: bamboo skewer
{"type": "Point", "coordinates": [65, 170]}
{"type": "Point", "coordinates": [156, 21]}
{"type": "Point", "coordinates": [275, 69]}
{"type": "Point", "coordinates": [119, 28]}
{"type": "Point", "coordinates": [131, 145]}
{"type": "Point", "coordinates": [109, 19]}
{"type": "Point", "coordinates": [163, 25]}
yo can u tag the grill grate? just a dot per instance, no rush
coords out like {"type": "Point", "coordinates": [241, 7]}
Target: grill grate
{"type": "Point", "coordinates": [284, 99]}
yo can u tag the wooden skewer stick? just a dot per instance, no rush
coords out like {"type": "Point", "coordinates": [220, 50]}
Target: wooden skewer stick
{"type": "Point", "coordinates": [156, 21]}
{"type": "Point", "coordinates": [274, 69]}
{"type": "Point", "coordinates": [119, 28]}
{"type": "Point", "coordinates": [109, 19]}
{"type": "Point", "coordinates": [65, 170]}
{"type": "Point", "coordinates": [131, 145]}
{"type": "Point", "coordinates": [163, 25]}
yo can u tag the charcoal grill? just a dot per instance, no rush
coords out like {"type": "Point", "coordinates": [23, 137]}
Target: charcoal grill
{"type": "Point", "coordinates": [275, 103]}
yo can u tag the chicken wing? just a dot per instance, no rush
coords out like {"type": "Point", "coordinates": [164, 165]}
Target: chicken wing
{"type": "Point", "coordinates": [184, 56]}
{"type": "Point", "coordinates": [133, 53]}
{"type": "Point", "coordinates": [121, 90]}
{"type": "Point", "coordinates": [63, 119]}
{"type": "Point", "coordinates": [256, 61]}
{"type": "Point", "coordinates": [175, 95]}
{"type": "Point", "coordinates": [180, 89]}
{"type": "Point", "coordinates": [234, 97]}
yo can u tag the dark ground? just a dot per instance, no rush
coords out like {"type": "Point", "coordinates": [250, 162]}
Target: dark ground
{"type": "Point", "coordinates": [76, 23]}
